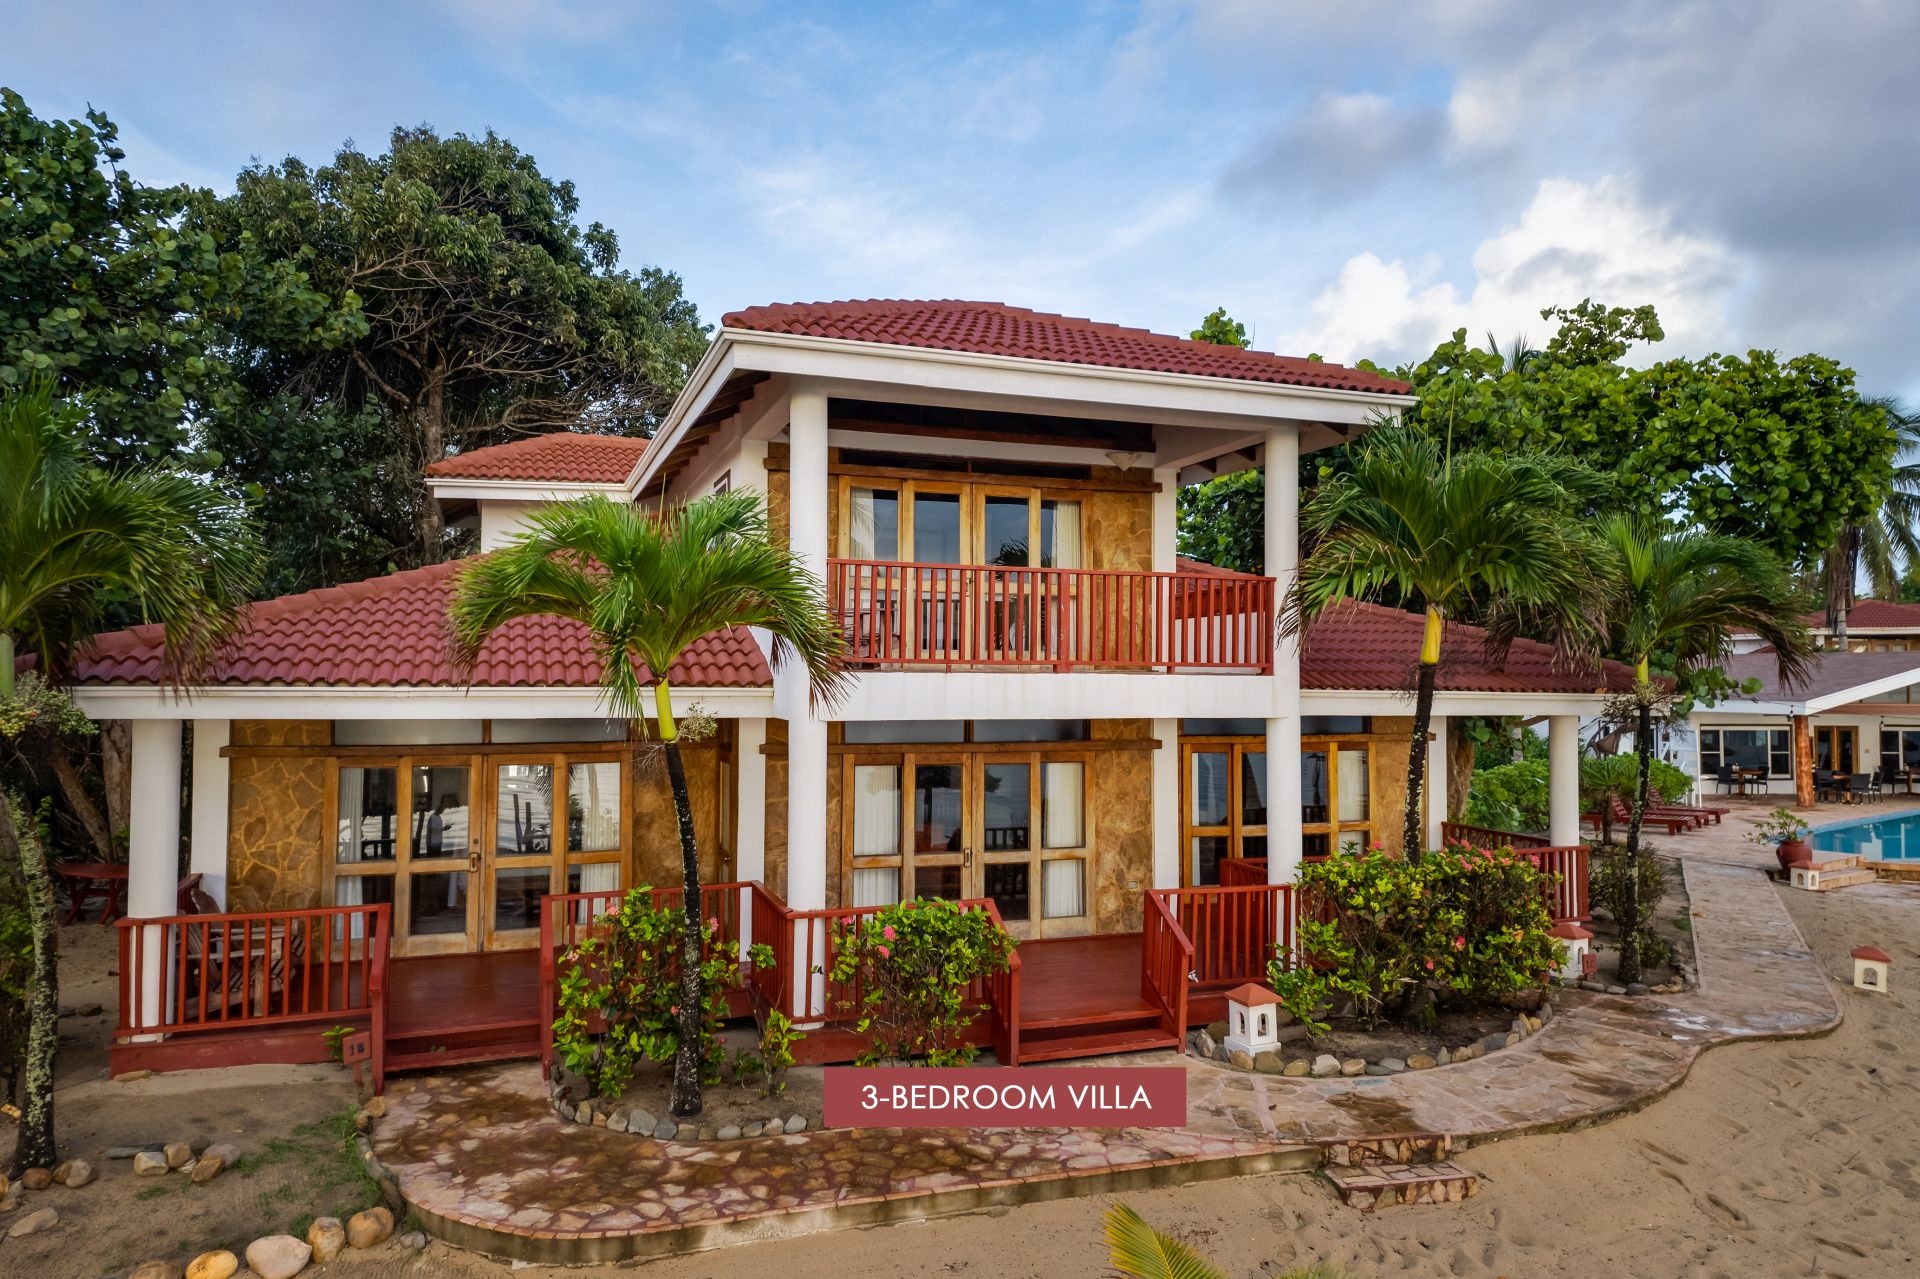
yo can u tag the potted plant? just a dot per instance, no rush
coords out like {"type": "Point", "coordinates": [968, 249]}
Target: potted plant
{"type": "Point", "coordinates": [1783, 829]}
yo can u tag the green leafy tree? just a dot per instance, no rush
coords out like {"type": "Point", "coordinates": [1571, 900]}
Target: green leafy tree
{"type": "Point", "coordinates": [1883, 544]}
{"type": "Point", "coordinates": [1446, 531]}
{"type": "Point", "coordinates": [483, 312]}
{"type": "Point", "coordinates": [71, 536]}
{"type": "Point", "coordinates": [108, 288]}
{"type": "Point", "coordinates": [1221, 329]}
{"type": "Point", "coordinates": [646, 585]}
{"type": "Point", "coordinates": [1782, 452]}
{"type": "Point", "coordinates": [1672, 601]}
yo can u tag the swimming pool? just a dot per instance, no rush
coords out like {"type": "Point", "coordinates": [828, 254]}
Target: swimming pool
{"type": "Point", "coordinates": [1893, 839]}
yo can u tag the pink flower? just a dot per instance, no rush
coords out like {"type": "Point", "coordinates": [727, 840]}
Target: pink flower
{"type": "Point", "coordinates": [675, 1010]}
{"type": "Point", "coordinates": [846, 921]}
{"type": "Point", "coordinates": [714, 923]}
{"type": "Point", "coordinates": [887, 932]}
{"type": "Point", "coordinates": [884, 952]}
{"type": "Point", "coordinates": [1459, 943]}
{"type": "Point", "coordinates": [1429, 965]}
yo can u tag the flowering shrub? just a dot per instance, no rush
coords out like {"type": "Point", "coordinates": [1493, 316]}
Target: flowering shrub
{"type": "Point", "coordinates": [620, 993]}
{"type": "Point", "coordinates": [904, 971]}
{"type": "Point", "coordinates": [1393, 936]}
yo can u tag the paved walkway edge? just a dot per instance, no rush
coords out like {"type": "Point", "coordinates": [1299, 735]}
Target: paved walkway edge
{"type": "Point", "coordinates": [610, 1247]}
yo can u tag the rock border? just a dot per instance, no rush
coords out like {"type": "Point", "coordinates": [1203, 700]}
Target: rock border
{"type": "Point", "coordinates": [1277, 1063]}
{"type": "Point", "coordinates": [567, 1092]}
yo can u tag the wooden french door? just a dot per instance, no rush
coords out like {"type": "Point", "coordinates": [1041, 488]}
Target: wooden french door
{"type": "Point", "coordinates": [978, 825]}
{"type": "Point", "coordinates": [1834, 748]}
{"type": "Point", "coordinates": [466, 847]}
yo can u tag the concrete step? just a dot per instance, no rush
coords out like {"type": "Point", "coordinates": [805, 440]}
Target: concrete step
{"type": "Point", "coordinates": [1393, 1148]}
{"type": "Point", "coordinates": [1369, 1186]}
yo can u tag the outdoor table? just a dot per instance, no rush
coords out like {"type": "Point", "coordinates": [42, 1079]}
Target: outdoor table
{"type": "Point", "coordinates": [105, 878]}
{"type": "Point", "coordinates": [1747, 776]}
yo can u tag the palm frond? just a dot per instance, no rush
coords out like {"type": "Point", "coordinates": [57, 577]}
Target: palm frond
{"type": "Point", "coordinates": [1141, 1252]}
{"type": "Point", "coordinates": [648, 584]}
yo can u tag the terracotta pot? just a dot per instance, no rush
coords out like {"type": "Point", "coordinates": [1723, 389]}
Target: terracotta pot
{"type": "Point", "coordinates": [1793, 850]}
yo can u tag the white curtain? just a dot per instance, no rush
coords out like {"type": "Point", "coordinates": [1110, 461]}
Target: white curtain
{"type": "Point", "coordinates": [860, 525]}
{"type": "Point", "coordinates": [1063, 887]}
{"type": "Point", "coordinates": [1352, 775]}
{"type": "Point", "coordinates": [876, 886]}
{"type": "Point", "coordinates": [596, 877]}
{"type": "Point", "coordinates": [1063, 804]}
{"type": "Point", "coordinates": [1066, 534]}
{"type": "Point", "coordinates": [876, 810]}
{"type": "Point", "coordinates": [353, 806]}
{"type": "Point", "coordinates": [593, 795]}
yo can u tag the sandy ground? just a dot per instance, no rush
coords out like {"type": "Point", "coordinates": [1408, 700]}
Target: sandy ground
{"type": "Point", "coordinates": [1789, 1159]}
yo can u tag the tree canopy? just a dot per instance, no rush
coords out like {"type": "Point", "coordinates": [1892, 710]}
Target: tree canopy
{"type": "Point", "coordinates": [482, 312]}
{"type": "Point", "coordinates": [1781, 452]}
{"type": "Point", "coordinates": [106, 288]}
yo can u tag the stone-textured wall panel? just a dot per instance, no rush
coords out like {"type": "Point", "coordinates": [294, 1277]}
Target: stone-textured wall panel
{"type": "Point", "coordinates": [1121, 817]}
{"type": "Point", "coordinates": [275, 840]}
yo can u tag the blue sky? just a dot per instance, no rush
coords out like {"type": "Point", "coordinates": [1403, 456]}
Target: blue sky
{"type": "Point", "coordinates": [1350, 178]}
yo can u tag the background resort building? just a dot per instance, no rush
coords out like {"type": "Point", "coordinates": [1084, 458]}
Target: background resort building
{"type": "Point", "coordinates": [1053, 712]}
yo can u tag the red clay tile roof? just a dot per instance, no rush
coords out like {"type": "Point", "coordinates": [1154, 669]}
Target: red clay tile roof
{"type": "Point", "coordinates": [1874, 615]}
{"type": "Point", "coordinates": [993, 328]}
{"type": "Point", "coordinates": [1368, 646]}
{"type": "Point", "coordinates": [563, 457]}
{"type": "Point", "coordinates": [391, 631]}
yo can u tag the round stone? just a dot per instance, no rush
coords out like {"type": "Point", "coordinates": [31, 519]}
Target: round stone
{"type": "Point", "coordinates": [414, 1239]}
{"type": "Point", "coordinates": [1269, 1062]}
{"type": "Point", "coordinates": [154, 1270]}
{"type": "Point", "coordinates": [33, 1223]}
{"type": "Point", "coordinates": [1421, 1061]}
{"type": "Point", "coordinates": [150, 1163]}
{"type": "Point", "coordinates": [179, 1154]}
{"type": "Point", "coordinates": [1394, 1065]}
{"type": "Point", "coordinates": [365, 1229]}
{"type": "Point", "coordinates": [1324, 1065]}
{"type": "Point", "coordinates": [1240, 1059]}
{"type": "Point", "coordinates": [729, 1132]}
{"type": "Point", "coordinates": [278, 1256]}
{"type": "Point", "coordinates": [327, 1236]}
{"type": "Point", "coordinates": [795, 1123]}
{"type": "Point", "coordinates": [1441, 1058]}
{"type": "Point", "coordinates": [1297, 1068]}
{"type": "Point", "coordinates": [218, 1264]}
{"type": "Point", "coordinates": [1636, 988]}
{"type": "Point", "coordinates": [1353, 1066]}
{"type": "Point", "coordinates": [74, 1173]}
{"type": "Point", "coordinates": [639, 1120]}
{"type": "Point", "coordinates": [665, 1130]}
{"type": "Point", "coordinates": [206, 1168]}
{"type": "Point", "coordinates": [753, 1129]}
{"type": "Point", "coordinates": [37, 1178]}
{"type": "Point", "coordinates": [1218, 1029]}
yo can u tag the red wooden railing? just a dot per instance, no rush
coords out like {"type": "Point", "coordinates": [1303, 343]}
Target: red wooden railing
{"type": "Point", "coordinates": [1565, 870]}
{"type": "Point", "coordinates": [1166, 965]}
{"type": "Point", "coordinates": [1234, 931]}
{"type": "Point", "coordinates": [1461, 835]}
{"type": "Point", "coordinates": [899, 614]}
{"type": "Point", "coordinates": [256, 971]}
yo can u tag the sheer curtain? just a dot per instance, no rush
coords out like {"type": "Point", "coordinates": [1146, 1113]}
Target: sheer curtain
{"type": "Point", "coordinates": [1065, 551]}
{"type": "Point", "coordinates": [1352, 775]}
{"type": "Point", "coordinates": [353, 809]}
{"type": "Point", "coordinates": [860, 524]}
{"type": "Point", "coordinates": [1063, 886]}
{"type": "Point", "coordinates": [1063, 803]}
{"type": "Point", "coordinates": [876, 810]}
{"type": "Point", "coordinates": [876, 886]}
{"type": "Point", "coordinates": [593, 800]}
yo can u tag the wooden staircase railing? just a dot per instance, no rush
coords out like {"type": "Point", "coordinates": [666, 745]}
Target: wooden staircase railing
{"type": "Point", "coordinates": [1166, 965]}
{"type": "Point", "coordinates": [1461, 835]}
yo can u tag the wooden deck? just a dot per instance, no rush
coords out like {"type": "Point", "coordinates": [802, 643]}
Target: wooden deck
{"type": "Point", "coordinates": [443, 1010]}
{"type": "Point", "coordinates": [1081, 997]}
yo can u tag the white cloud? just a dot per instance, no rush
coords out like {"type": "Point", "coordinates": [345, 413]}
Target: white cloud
{"type": "Point", "coordinates": [1574, 240]}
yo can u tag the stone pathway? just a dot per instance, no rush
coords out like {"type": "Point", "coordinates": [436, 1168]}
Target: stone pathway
{"type": "Point", "coordinates": [483, 1159]}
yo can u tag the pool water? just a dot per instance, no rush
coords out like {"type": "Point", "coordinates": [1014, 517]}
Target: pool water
{"type": "Point", "coordinates": [1892, 839]}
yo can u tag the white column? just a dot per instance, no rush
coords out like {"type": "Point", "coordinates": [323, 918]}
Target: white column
{"type": "Point", "coordinates": [1166, 804]}
{"type": "Point", "coordinates": [750, 821]}
{"type": "Point", "coordinates": [1282, 511]}
{"type": "Point", "coordinates": [207, 838]}
{"type": "Point", "coordinates": [806, 735]}
{"type": "Point", "coordinates": [1563, 780]}
{"type": "Point", "coordinates": [1166, 519]}
{"type": "Point", "coordinates": [153, 849]}
{"type": "Point", "coordinates": [1436, 779]}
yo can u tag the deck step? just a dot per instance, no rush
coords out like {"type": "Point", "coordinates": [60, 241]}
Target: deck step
{"type": "Point", "coordinates": [1096, 1043]}
{"type": "Point", "coordinates": [1368, 1186]}
{"type": "Point", "coordinates": [463, 1054]}
{"type": "Point", "coordinates": [1142, 1012]}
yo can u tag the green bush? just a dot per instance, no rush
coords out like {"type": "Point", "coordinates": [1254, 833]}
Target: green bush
{"type": "Point", "coordinates": [1607, 888]}
{"type": "Point", "coordinates": [903, 973]}
{"type": "Point", "coordinates": [1461, 926]}
{"type": "Point", "coordinates": [620, 993]}
{"type": "Point", "coordinates": [1670, 782]}
{"type": "Point", "coordinates": [1510, 797]}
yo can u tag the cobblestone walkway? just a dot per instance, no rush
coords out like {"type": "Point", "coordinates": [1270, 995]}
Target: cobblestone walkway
{"type": "Point", "coordinates": [484, 1160]}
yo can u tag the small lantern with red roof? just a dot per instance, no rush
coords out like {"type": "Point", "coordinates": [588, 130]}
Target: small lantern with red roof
{"type": "Point", "coordinates": [1870, 968]}
{"type": "Point", "coordinates": [1253, 1019]}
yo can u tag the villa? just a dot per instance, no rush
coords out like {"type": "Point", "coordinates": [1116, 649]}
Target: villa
{"type": "Point", "coordinates": [1054, 713]}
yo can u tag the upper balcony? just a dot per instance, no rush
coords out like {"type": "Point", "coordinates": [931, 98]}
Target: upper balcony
{"type": "Point", "coordinates": [905, 616]}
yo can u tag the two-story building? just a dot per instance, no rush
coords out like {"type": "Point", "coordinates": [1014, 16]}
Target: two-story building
{"type": "Point", "coordinates": [1053, 712]}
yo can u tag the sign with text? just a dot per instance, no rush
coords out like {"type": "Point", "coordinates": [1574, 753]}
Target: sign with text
{"type": "Point", "coordinates": [995, 1097]}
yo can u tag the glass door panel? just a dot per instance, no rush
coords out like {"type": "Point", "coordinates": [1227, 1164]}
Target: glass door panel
{"type": "Point", "coordinates": [1006, 838]}
{"type": "Point", "coordinates": [439, 910]}
{"type": "Point", "coordinates": [938, 595]}
{"type": "Point", "coordinates": [520, 856]}
{"type": "Point", "coordinates": [937, 828]}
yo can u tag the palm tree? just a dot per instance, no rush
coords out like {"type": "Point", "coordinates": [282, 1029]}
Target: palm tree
{"type": "Point", "coordinates": [73, 539]}
{"type": "Point", "coordinates": [1677, 596]}
{"type": "Point", "coordinates": [1886, 543]}
{"type": "Point", "coordinates": [646, 585]}
{"type": "Point", "coordinates": [1138, 1251]}
{"type": "Point", "coordinates": [1411, 521]}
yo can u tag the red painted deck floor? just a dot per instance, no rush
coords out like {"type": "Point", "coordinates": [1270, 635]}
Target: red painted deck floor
{"type": "Point", "coordinates": [1080, 997]}
{"type": "Point", "coordinates": [445, 1009]}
